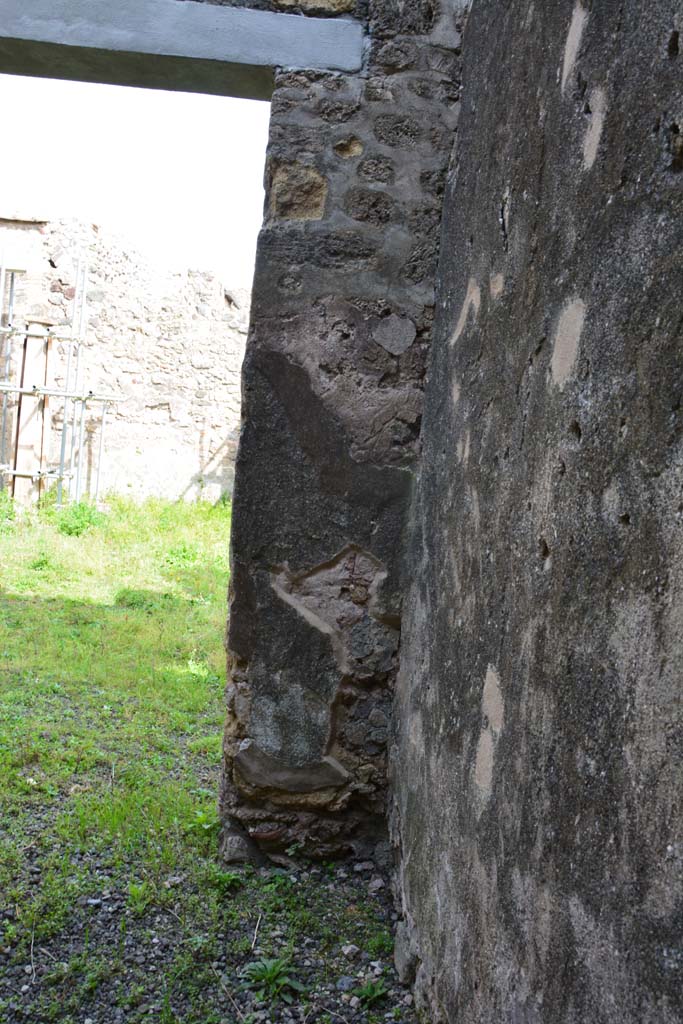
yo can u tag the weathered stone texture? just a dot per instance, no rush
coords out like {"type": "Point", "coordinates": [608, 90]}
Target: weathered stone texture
{"type": "Point", "coordinates": [333, 384]}
{"type": "Point", "coordinates": [170, 344]}
{"type": "Point", "coordinates": [536, 767]}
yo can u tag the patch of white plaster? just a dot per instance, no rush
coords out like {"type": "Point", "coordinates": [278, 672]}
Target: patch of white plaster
{"type": "Point", "coordinates": [610, 502]}
{"type": "Point", "coordinates": [493, 717]}
{"type": "Point", "coordinates": [573, 43]}
{"type": "Point", "coordinates": [472, 301]}
{"type": "Point", "coordinates": [415, 734]}
{"type": "Point", "coordinates": [597, 101]}
{"type": "Point", "coordinates": [496, 286]}
{"type": "Point", "coordinates": [483, 765]}
{"type": "Point", "coordinates": [566, 341]}
{"type": "Point", "coordinates": [455, 391]}
{"type": "Point", "coordinates": [492, 702]}
{"type": "Point", "coordinates": [473, 501]}
{"type": "Point", "coordinates": [463, 448]}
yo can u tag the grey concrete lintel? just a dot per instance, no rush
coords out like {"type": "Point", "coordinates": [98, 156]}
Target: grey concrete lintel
{"type": "Point", "coordinates": [172, 44]}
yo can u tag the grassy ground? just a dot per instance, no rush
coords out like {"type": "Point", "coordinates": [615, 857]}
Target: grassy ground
{"type": "Point", "coordinates": [112, 905]}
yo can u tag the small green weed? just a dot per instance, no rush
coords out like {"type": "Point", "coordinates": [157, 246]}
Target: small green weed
{"type": "Point", "coordinates": [240, 946]}
{"type": "Point", "coordinates": [140, 896]}
{"type": "Point", "coordinates": [181, 555]}
{"type": "Point", "coordinates": [132, 997]}
{"type": "Point", "coordinates": [270, 979]}
{"type": "Point", "coordinates": [167, 1013]}
{"type": "Point", "coordinates": [40, 563]}
{"type": "Point", "coordinates": [205, 823]}
{"type": "Point", "coordinates": [371, 992]}
{"type": "Point", "coordinates": [73, 520]}
{"type": "Point", "coordinates": [222, 881]}
{"type": "Point", "coordinates": [380, 944]}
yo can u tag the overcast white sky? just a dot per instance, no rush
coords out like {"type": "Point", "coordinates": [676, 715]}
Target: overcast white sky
{"type": "Point", "coordinates": [178, 175]}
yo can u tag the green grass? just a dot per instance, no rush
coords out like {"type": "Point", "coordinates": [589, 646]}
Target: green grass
{"type": "Point", "coordinates": [111, 681]}
{"type": "Point", "coordinates": [110, 647]}
{"type": "Point", "coordinates": [111, 715]}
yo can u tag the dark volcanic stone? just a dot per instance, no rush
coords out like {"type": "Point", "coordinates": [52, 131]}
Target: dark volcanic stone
{"type": "Point", "coordinates": [370, 206]}
{"type": "Point", "coordinates": [397, 130]}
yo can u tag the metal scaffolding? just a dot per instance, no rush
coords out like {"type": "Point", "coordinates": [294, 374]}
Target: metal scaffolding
{"type": "Point", "coordinates": [26, 395]}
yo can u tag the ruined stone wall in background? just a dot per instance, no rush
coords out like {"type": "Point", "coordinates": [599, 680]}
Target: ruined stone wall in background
{"type": "Point", "coordinates": [536, 771]}
{"type": "Point", "coordinates": [333, 387]}
{"type": "Point", "coordinates": [169, 343]}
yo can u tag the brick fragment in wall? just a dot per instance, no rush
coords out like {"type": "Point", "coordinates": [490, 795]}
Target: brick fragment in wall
{"type": "Point", "coordinates": [171, 344]}
{"type": "Point", "coordinates": [334, 375]}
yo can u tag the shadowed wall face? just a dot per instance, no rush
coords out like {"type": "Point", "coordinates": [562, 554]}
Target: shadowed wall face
{"type": "Point", "coordinates": [536, 771]}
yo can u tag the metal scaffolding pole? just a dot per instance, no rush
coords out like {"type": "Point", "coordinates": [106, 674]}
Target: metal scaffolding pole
{"type": "Point", "coordinates": [78, 326]}
{"type": "Point", "coordinates": [79, 463]}
{"type": "Point", "coordinates": [71, 471]}
{"type": "Point", "coordinates": [4, 273]}
{"type": "Point", "coordinates": [72, 454]}
{"type": "Point", "coordinates": [39, 391]}
{"type": "Point", "coordinates": [100, 454]}
{"type": "Point", "coordinates": [65, 417]}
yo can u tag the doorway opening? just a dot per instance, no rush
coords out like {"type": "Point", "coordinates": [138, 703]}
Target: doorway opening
{"type": "Point", "coordinates": [127, 243]}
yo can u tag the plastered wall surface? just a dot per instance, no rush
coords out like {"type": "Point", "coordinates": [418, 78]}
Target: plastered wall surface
{"type": "Point", "coordinates": [170, 344]}
{"type": "Point", "coordinates": [536, 764]}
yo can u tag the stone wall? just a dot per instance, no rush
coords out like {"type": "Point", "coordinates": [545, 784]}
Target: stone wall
{"type": "Point", "coordinates": [522, 539]}
{"type": "Point", "coordinates": [536, 772]}
{"type": "Point", "coordinates": [333, 383]}
{"type": "Point", "coordinates": [169, 343]}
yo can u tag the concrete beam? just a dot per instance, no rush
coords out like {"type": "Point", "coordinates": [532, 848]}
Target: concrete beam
{"type": "Point", "coordinates": [170, 44]}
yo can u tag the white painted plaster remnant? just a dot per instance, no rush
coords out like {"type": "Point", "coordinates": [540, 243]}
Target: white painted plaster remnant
{"type": "Point", "coordinates": [493, 717]}
{"type": "Point", "coordinates": [472, 301]}
{"type": "Point", "coordinates": [463, 448]}
{"type": "Point", "coordinates": [496, 286]}
{"type": "Point", "coordinates": [610, 502]}
{"type": "Point", "coordinates": [597, 101]}
{"type": "Point", "coordinates": [566, 342]}
{"type": "Point", "coordinates": [573, 43]}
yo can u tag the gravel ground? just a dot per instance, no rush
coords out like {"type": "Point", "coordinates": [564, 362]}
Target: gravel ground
{"type": "Point", "coordinates": [119, 952]}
